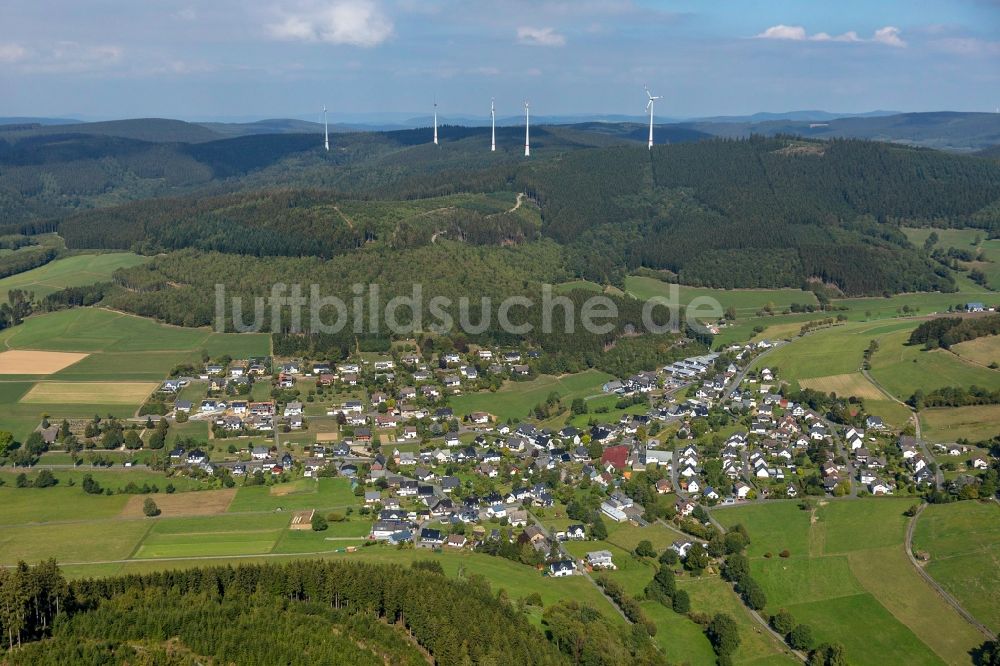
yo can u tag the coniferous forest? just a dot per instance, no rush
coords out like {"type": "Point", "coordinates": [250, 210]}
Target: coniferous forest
{"type": "Point", "coordinates": [308, 612]}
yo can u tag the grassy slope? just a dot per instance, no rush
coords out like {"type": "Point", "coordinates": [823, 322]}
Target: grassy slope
{"type": "Point", "coordinates": [74, 271]}
{"type": "Point", "coordinates": [963, 541]}
{"type": "Point", "coordinates": [848, 577]}
{"type": "Point", "coordinates": [903, 369]}
{"type": "Point", "coordinates": [515, 399]}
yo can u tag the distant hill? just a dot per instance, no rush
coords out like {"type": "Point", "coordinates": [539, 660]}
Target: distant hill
{"type": "Point", "coordinates": [947, 130]}
{"type": "Point", "coordinates": [157, 130]}
{"type": "Point", "coordinates": [32, 120]}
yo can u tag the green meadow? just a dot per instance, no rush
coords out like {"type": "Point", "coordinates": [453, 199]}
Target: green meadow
{"type": "Point", "coordinates": [516, 398]}
{"type": "Point", "coordinates": [962, 541]}
{"type": "Point", "coordinates": [73, 271]}
{"type": "Point", "coordinates": [324, 493]}
{"type": "Point", "coordinates": [848, 577]}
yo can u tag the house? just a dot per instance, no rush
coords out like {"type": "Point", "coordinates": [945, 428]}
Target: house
{"type": "Point", "coordinates": [372, 497]}
{"type": "Point", "coordinates": [576, 532]}
{"type": "Point", "coordinates": [615, 457]}
{"type": "Point", "coordinates": [456, 541]}
{"type": "Point", "coordinates": [384, 529]}
{"type": "Point", "coordinates": [980, 463]}
{"type": "Point", "coordinates": [975, 307]}
{"type": "Point", "coordinates": [479, 418]}
{"type": "Point", "coordinates": [681, 547]}
{"type": "Point", "coordinates": [197, 457]}
{"type": "Point", "coordinates": [742, 490]}
{"type": "Point", "coordinates": [183, 406]}
{"type": "Point", "coordinates": [663, 486]}
{"type": "Point", "coordinates": [562, 568]}
{"type": "Point", "coordinates": [431, 537]}
{"type": "Point", "coordinates": [874, 423]}
{"type": "Point", "coordinates": [293, 409]}
{"type": "Point", "coordinates": [600, 559]}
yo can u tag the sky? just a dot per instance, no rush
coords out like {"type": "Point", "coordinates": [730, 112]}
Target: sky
{"type": "Point", "coordinates": [99, 59]}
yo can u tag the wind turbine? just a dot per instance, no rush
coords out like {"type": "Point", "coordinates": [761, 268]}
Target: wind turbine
{"type": "Point", "coordinates": [493, 127]}
{"type": "Point", "coordinates": [326, 131]}
{"type": "Point", "coordinates": [527, 131]}
{"type": "Point", "coordinates": [435, 121]}
{"type": "Point", "coordinates": [649, 107]}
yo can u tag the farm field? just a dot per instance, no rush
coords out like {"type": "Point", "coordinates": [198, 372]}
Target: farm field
{"type": "Point", "coordinates": [983, 350]}
{"type": "Point", "coordinates": [847, 384]}
{"type": "Point", "coordinates": [118, 348]}
{"type": "Point", "coordinates": [74, 271]}
{"type": "Point", "coordinates": [89, 393]}
{"type": "Point", "coordinates": [963, 542]}
{"type": "Point", "coordinates": [746, 301]}
{"type": "Point", "coordinates": [206, 503]}
{"type": "Point", "coordinates": [24, 362]}
{"type": "Point", "coordinates": [847, 576]}
{"type": "Point", "coordinates": [947, 424]}
{"type": "Point", "coordinates": [516, 399]}
{"type": "Point", "coordinates": [903, 369]}
{"type": "Point", "coordinates": [833, 351]}
{"type": "Point", "coordinates": [301, 494]}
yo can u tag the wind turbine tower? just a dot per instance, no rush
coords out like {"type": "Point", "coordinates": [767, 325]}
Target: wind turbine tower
{"type": "Point", "coordinates": [649, 107]}
{"type": "Point", "coordinates": [326, 131]}
{"type": "Point", "coordinates": [527, 131]}
{"type": "Point", "coordinates": [435, 122]}
{"type": "Point", "coordinates": [493, 127]}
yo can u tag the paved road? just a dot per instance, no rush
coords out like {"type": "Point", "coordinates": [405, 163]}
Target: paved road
{"type": "Point", "coordinates": [952, 601]}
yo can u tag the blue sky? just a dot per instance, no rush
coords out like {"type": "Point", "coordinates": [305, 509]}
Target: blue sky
{"type": "Point", "coordinates": [282, 58]}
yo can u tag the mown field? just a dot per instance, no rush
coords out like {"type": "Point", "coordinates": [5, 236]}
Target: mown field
{"type": "Point", "coordinates": [963, 542]}
{"type": "Point", "coordinates": [903, 369]}
{"type": "Point", "coordinates": [948, 424]}
{"type": "Point", "coordinates": [74, 271]}
{"type": "Point", "coordinates": [983, 351]}
{"type": "Point", "coordinates": [515, 399]}
{"type": "Point", "coordinates": [849, 578]}
{"type": "Point", "coordinates": [123, 350]}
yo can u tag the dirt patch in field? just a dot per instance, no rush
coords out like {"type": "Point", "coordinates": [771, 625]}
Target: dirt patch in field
{"type": "Point", "coordinates": [327, 437]}
{"type": "Point", "coordinates": [844, 385]}
{"type": "Point", "coordinates": [26, 362]}
{"type": "Point", "coordinates": [194, 503]}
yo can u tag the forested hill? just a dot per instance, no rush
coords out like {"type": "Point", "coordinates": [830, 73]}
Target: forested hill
{"type": "Point", "coordinates": [306, 612]}
{"type": "Point", "coordinates": [760, 212]}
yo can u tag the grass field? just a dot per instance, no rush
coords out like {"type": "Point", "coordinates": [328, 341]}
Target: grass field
{"type": "Point", "coordinates": [302, 494]}
{"type": "Point", "coordinates": [903, 369]}
{"type": "Point", "coordinates": [120, 347]}
{"type": "Point", "coordinates": [516, 399]}
{"type": "Point", "coordinates": [746, 301]}
{"type": "Point", "coordinates": [847, 384]}
{"type": "Point", "coordinates": [984, 350]}
{"type": "Point", "coordinates": [834, 351]}
{"type": "Point", "coordinates": [963, 542]}
{"type": "Point", "coordinates": [974, 423]}
{"type": "Point", "coordinates": [849, 578]}
{"type": "Point", "coordinates": [74, 271]}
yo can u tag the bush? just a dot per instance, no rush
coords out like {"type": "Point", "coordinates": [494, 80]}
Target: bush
{"type": "Point", "coordinates": [149, 508]}
{"type": "Point", "coordinates": [682, 602]}
{"type": "Point", "coordinates": [319, 523]}
{"type": "Point", "coordinates": [801, 637]}
{"type": "Point", "coordinates": [724, 634]}
{"type": "Point", "coordinates": [645, 549]}
{"type": "Point", "coordinates": [782, 622]}
{"type": "Point", "coordinates": [45, 479]}
{"type": "Point", "coordinates": [785, 553]}
{"type": "Point", "coordinates": [336, 517]}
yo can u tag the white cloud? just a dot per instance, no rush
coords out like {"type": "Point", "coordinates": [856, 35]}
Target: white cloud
{"type": "Point", "coordinates": [540, 36]}
{"type": "Point", "coordinates": [351, 22]}
{"type": "Point", "coordinates": [889, 35]}
{"type": "Point", "coordinates": [10, 53]}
